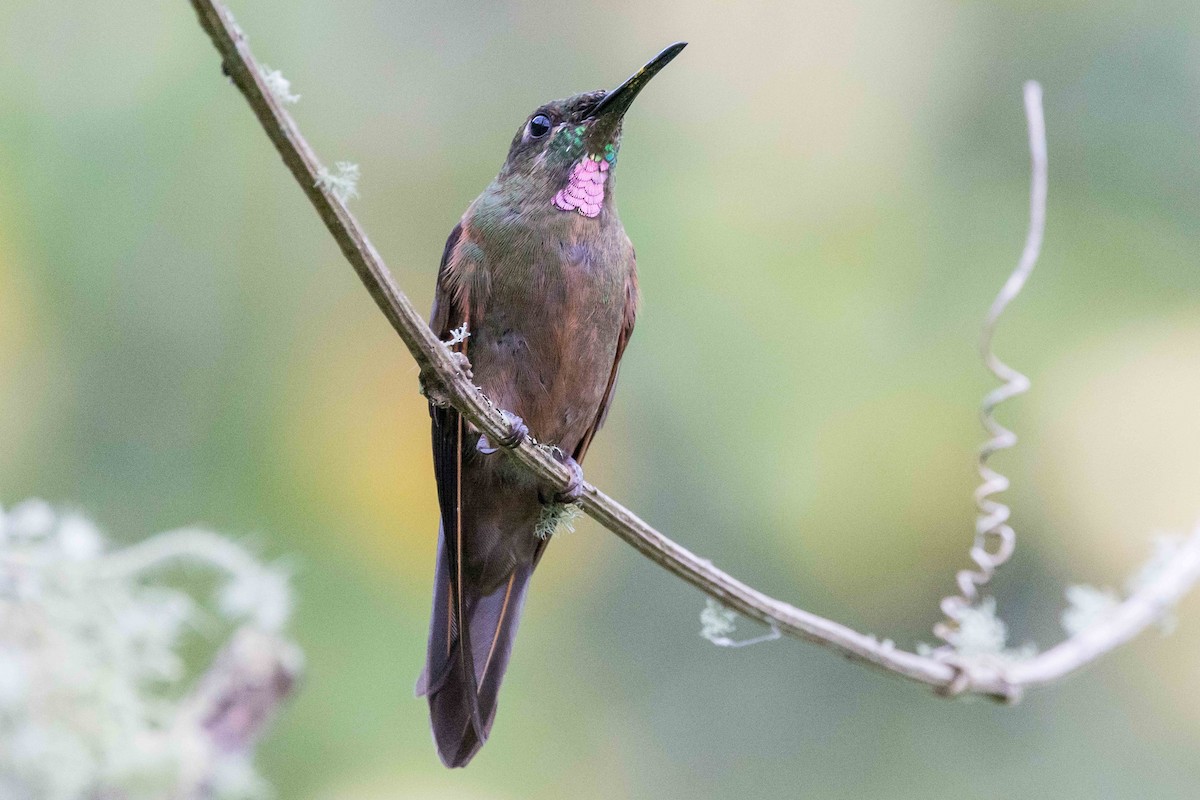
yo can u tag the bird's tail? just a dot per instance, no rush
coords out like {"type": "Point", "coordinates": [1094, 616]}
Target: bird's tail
{"type": "Point", "coordinates": [462, 706]}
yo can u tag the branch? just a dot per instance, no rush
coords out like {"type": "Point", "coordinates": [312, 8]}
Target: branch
{"type": "Point", "coordinates": [948, 675]}
{"type": "Point", "coordinates": [1146, 606]}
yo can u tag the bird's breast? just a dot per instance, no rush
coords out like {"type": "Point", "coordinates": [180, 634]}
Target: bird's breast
{"type": "Point", "coordinates": [546, 338]}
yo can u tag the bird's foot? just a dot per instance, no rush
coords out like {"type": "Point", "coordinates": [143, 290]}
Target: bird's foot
{"type": "Point", "coordinates": [463, 363]}
{"type": "Point", "coordinates": [573, 491]}
{"type": "Point", "coordinates": [518, 432]}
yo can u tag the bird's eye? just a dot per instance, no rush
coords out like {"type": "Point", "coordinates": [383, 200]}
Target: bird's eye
{"type": "Point", "coordinates": [539, 126]}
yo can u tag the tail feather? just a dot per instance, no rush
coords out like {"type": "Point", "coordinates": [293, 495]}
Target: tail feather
{"type": "Point", "coordinates": [456, 698]}
{"type": "Point", "coordinates": [448, 432]}
{"type": "Point", "coordinates": [443, 630]}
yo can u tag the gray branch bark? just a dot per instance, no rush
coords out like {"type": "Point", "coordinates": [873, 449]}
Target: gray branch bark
{"type": "Point", "coordinates": [941, 672]}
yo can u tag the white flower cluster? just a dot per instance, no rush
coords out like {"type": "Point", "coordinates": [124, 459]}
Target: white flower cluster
{"type": "Point", "coordinates": [91, 680]}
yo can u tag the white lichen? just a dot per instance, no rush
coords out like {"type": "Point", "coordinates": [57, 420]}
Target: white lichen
{"type": "Point", "coordinates": [279, 86]}
{"type": "Point", "coordinates": [457, 336]}
{"type": "Point", "coordinates": [554, 516]}
{"type": "Point", "coordinates": [91, 676]}
{"type": "Point", "coordinates": [1087, 606]}
{"type": "Point", "coordinates": [343, 182]}
{"type": "Point", "coordinates": [980, 636]}
{"type": "Point", "coordinates": [717, 622]}
{"type": "Point", "coordinates": [1165, 549]}
{"type": "Point", "coordinates": [717, 625]}
{"type": "Point", "coordinates": [238, 33]}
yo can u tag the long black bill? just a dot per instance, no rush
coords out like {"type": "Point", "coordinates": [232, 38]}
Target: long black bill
{"type": "Point", "coordinates": [617, 101]}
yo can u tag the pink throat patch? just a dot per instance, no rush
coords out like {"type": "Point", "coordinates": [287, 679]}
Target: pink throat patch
{"type": "Point", "coordinates": [584, 192]}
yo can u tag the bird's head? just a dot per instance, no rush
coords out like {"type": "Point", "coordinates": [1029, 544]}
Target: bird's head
{"type": "Point", "coordinates": [565, 151]}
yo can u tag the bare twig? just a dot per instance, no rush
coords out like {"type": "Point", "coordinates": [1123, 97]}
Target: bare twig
{"type": "Point", "coordinates": [992, 522]}
{"type": "Point", "coordinates": [435, 359]}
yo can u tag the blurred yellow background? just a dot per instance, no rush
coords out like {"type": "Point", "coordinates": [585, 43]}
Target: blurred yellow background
{"type": "Point", "coordinates": [824, 198]}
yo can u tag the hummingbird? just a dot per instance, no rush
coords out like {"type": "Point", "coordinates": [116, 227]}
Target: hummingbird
{"type": "Point", "coordinates": [538, 290]}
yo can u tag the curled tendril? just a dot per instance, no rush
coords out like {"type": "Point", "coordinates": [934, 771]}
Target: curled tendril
{"type": "Point", "coordinates": [994, 537]}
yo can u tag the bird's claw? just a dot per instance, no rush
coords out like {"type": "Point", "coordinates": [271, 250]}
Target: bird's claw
{"type": "Point", "coordinates": [463, 363]}
{"type": "Point", "coordinates": [573, 491]}
{"type": "Point", "coordinates": [518, 432]}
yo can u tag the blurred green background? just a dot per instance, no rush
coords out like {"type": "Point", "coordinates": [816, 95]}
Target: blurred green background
{"type": "Point", "coordinates": [824, 199]}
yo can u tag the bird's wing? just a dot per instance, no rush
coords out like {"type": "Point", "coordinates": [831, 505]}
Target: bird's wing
{"type": "Point", "coordinates": [630, 317]}
{"type": "Point", "coordinates": [449, 300]}
{"type": "Point", "coordinates": [451, 309]}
